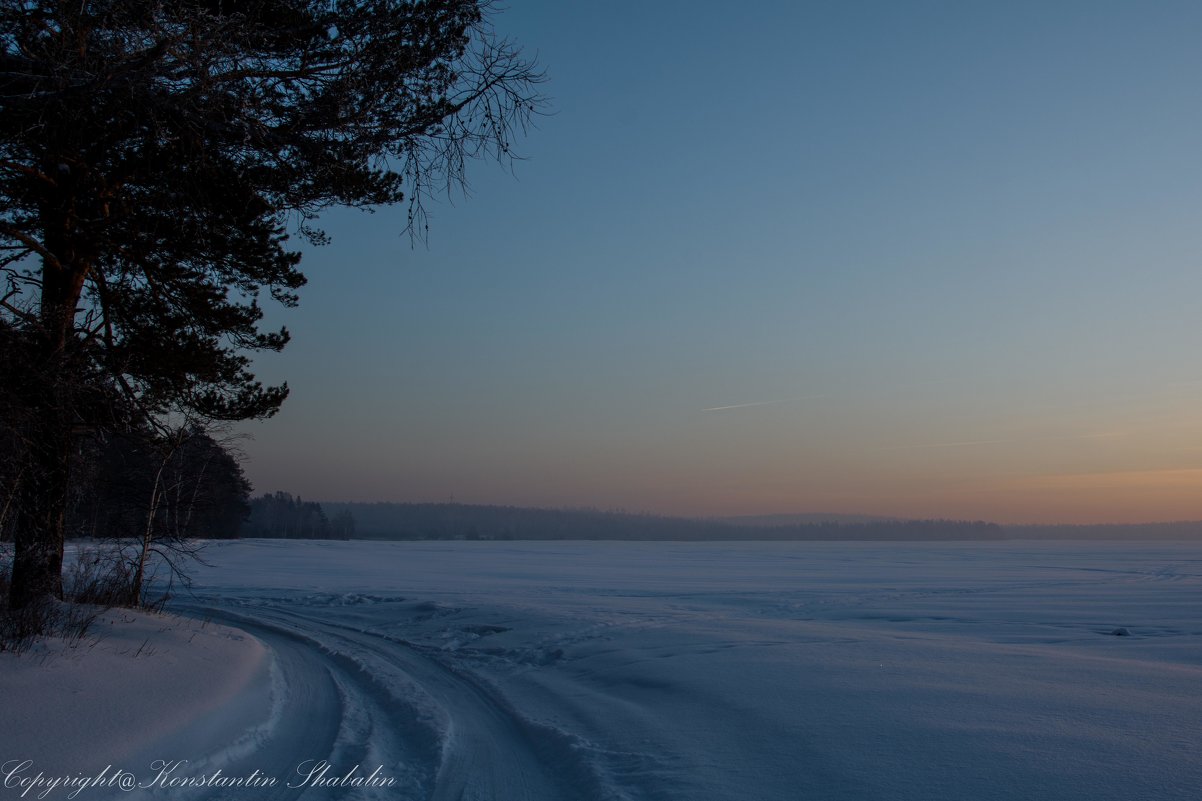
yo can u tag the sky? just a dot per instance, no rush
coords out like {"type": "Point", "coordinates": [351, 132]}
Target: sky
{"type": "Point", "coordinates": [924, 259]}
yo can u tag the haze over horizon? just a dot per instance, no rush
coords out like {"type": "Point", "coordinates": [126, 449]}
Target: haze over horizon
{"type": "Point", "coordinates": [930, 260]}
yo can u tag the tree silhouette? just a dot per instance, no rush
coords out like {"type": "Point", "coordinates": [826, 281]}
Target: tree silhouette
{"type": "Point", "coordinates": [155, 157]}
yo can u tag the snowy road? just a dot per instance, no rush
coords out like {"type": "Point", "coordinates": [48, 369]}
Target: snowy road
{"type": "Point", "coordinates": [335, 681]}
{"type": "Point", "coordinates": [699, 672]}
{"type": "Point", "coordinates": [325, 705]}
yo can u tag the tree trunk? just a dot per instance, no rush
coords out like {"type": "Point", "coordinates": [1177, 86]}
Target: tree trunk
{"type": "Point", "coordinates": [9, 496]}
{"type": "Point", "coordinates": [49, 391]}
{"type": "Point", "coordinates": [41, 512]}
{"type": "Point", "coordinates": [148, 532]}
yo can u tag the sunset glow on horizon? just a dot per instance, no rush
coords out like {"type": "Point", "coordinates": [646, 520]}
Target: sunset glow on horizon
{"type": "Point", "coordinates": [931, 259]}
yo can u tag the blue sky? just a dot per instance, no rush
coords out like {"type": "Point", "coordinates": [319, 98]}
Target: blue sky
{"type": "Point", "coordinates": [939, 259]}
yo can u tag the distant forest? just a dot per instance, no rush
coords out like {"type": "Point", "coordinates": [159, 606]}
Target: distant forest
{"type": "Point", "coordinates": [1183, 530]}
{"type": "Point", "coordinates": [451, 521]}
{"type": "Point", "coordinates": [281, 515]}
{"type": "Point", "coordinates": [197, 490]}
{"type": "Point", "coordinates": [137, 484]}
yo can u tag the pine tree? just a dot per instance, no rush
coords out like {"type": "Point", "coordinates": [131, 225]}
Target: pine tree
{"type": "Point", "coordinates": [154, 159]}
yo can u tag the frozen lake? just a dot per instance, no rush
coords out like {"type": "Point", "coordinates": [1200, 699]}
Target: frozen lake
{"type": "Point", "coordinates": [699, 671]}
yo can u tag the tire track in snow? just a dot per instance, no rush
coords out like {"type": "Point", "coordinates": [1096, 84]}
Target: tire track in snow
{"type": "Point", "coordinates": [487, 752]}
{"type": "Point", "coordinates": [328, 709]}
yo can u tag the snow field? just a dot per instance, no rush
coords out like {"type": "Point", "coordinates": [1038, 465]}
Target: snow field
{"type": "Point", "coordinates": [759, 670]}
{"type": "Point", "coordinates": [555, 671]}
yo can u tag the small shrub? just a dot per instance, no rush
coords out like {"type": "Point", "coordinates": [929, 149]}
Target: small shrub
{"type": "Point", "coordinates": [90, 586]}
{"type": "Point", "coordinates": [19, 630]}
{"type": "Point", "coordinates": [100, 577]}
{"type": "Point", "coordinates": [96, 579]}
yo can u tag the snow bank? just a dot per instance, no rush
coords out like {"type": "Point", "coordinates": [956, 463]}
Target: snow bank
{"type": "Point", "coordinates": [139, 687]}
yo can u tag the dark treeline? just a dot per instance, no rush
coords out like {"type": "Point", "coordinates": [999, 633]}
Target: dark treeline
{"type": "Point", "coordinates": [442, 521]}
{"type": "Point", "coordinates": [185, 486]}
{"type": "Point", "coordinates": [771, 521]}
{"type": "Point", "coordinates": [283, 516]}
{"type": "Point", "coordinates": [896, 530]}
{"type": "Point", "coordinates": [128, 473]}
{"type": "Point", "coordinates": [1184, 530]}
{"type": "Point", "coordinates": [139, 483]}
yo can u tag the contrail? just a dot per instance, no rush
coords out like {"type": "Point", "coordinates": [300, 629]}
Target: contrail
{"type": "Point", "coordinates": [743, 405]}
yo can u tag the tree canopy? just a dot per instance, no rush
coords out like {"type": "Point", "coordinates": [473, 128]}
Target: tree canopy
{"type": "Point", "coordinates": [156, 157]}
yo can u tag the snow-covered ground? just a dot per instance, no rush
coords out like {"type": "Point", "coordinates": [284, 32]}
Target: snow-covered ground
{"type": "Point", "coordinates": [696, 672]}
{"type": "Point", "coordinates": [135, 684]}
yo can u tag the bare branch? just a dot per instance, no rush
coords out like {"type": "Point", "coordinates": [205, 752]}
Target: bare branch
{"type": "Point", "coordinates": [32, 244]}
